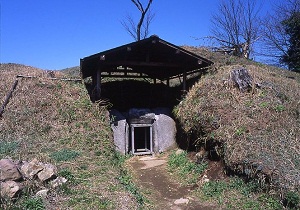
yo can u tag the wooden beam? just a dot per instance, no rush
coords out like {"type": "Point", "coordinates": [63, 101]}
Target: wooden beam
{"type": "Point", "coordinates": [141, 63]}
{"type": "Point", "coordinates": [66, 79]}
{"type": "Point", "coordinates": [124, 76]}
{"type": "Point", "coordinates": [188, 73]}
{"type": "Point", "coordinates": [124, 71]}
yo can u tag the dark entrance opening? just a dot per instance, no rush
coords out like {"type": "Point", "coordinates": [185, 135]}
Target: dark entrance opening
{"type": "Point", "coordinates": [127, 94]}
{"type": "Point", "coordinates": [141, 139]}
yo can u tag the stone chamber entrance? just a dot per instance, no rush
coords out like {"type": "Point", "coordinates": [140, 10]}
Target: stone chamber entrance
{"type": "Point", "coordinates": [142, 131]}
{"type": "Point", "coordinates": [141, 115]}
{"type": "Point", "coordinates": [141, 82]}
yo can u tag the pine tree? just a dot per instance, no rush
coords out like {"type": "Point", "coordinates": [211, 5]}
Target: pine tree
{"type": "Point", "coordinates": [292, 28]}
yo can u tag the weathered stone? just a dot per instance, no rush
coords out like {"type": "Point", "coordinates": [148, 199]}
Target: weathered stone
{"type": "Point", "coordinates": [204, 179]}
{"type": "Point", "coordinates": [179, 151]}
{"type": "Point", "coordinates": [47, 173]}
{"type": "Point", "coordinates": [42, 193]}
{"type": "Point", "coordinates": [9, 171]}
{"type": "Point", "coordinates": [137, 113]}
{"type": "Point", "coordinates": [140, 116]}
{"type": "Point", "coordinates": [164, 130]}
{"type": "Point", "coordinates": [58, 182]}
{"type": "Point", "coordinates": [29, 170]}
{"type": "Point", "coordinates": [9, 189]}
{"type": "Point", "coordinates": [120, 129]}
{"type": "Point", "coordinates": [181, 201]}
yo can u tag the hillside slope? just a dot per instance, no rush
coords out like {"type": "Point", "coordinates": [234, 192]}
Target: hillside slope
{"type": "Point", "coordinates": [257, 132]}
{"type": "Point", "coordinates": [55, 122]}
{"type": "Point", "coordinates": [73, 72]}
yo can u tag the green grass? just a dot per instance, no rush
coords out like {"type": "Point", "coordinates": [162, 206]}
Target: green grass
{"type": "Point", "coordinates": [264, 104]}
{"type": "Point", "coordinates": [214, 189]}
{"type": "Point", "coordinates": [24, 203]}
{"type": "Point", "coordinates": [64, 155]}
{"type": "Point", "coordinates": [240, 131]}
{"type": "Point", "coordinates": [33, 204]}
{"type": "Point", "coordinates": [236, 194]}
{"type": "Point", "coordinates": [67, 173]}
{"type": "Point", "coordinates": [232, 194]}
{"type": "Point", "coordinates": [279, 108]}
{"type": "Point", "coordinates": [6, 148]}
{"type": "Point", "coordinates": [292, 200]}
{"type": "Point", "coordinates": [126, 180]}
{"type": "Point", "coordinates": [186, 170]}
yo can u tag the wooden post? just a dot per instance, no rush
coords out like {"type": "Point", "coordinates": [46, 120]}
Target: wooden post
{"type": "Point", "coordinates": [168, 82]}
{"type": "Point", "coordinates": [98, 84]}
{"type": "Point", "coordinates": [154, 80]}
{"type": "Point", "coordinates": [81, 66]}
{"type": "Point", "coordinates": [184, 82]}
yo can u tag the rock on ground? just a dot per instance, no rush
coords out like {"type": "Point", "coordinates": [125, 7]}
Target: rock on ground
{"type": "Point", "coordinates": [47, 173]}
{"type": "Point", "coordinates": [9, 189]}
{"type": "Point", "coordinates": [31, 169]}
{"type": "Point", "coordinates": [9, 171]}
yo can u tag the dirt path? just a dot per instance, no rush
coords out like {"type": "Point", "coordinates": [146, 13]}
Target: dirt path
{"type": "Point", "coordinates": [151, 174]}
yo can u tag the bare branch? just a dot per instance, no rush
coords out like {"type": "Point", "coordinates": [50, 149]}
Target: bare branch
{"type": "Point", "coordinates": [130, 26]}
{"type": "Point", "coordinates": [138, 5]}
{"type": "Point", "coordinates": [141, 29]}
{"type": "Point", "coordinates": [235, 26]}
{"type": "Point", "coordinates": [149, 18]}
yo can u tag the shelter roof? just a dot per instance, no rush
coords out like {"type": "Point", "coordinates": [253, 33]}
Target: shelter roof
{"type": "Point", "coordinates": [152, 57]}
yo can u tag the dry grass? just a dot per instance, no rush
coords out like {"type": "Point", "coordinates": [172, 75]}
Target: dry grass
{"type": "Point", "coordinates": [45, 117]}
{"type": "Point", "coordinates": [259, 129]}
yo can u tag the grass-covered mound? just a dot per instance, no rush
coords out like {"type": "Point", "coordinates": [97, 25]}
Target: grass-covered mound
{"type": "Point", "coordinates": [55, 122]}
{"type": "Point", "coordinates": [258, 130]}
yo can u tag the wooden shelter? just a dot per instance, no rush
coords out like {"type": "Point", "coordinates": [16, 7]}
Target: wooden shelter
{"type": "Point", "coordinates": [152, 58]}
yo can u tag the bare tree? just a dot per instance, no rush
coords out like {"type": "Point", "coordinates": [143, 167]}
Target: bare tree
{"type": "Point", "coordinates": [236, 26]}
{"type": "Point", "coordinates": [141, 29]}
{"type": "Point", "coordinates": [276, 40]}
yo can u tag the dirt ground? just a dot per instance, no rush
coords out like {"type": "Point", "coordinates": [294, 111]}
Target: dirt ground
{"type": "Point", "coordinates": [165, 193]}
